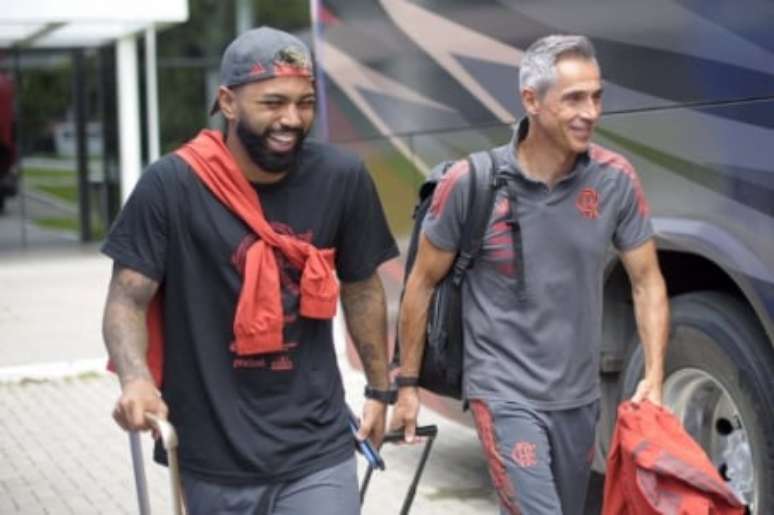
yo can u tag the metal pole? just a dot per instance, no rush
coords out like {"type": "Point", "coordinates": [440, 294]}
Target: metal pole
{"type": "Point", "coordinates": [152, 95]}
{"type": "Point", "coordinates": [84, 195]}
{"type": "Point", "coordinates": [109, 134]}
{"type": "Point", "coordinates": [17, 78]}
{"type": "Point", "coordinates": [139, 473]}
{"type": "Point", "coordinates": [103, 187]}
{"type": "Point", "coordinates": [245, 16]}
{"type": "Point", "coordinates": [321, 126]}
{"type": "Point", "coordinates": [128, 115]}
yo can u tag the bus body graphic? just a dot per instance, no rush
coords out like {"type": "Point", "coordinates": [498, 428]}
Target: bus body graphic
{"type": "Point", "coordinates": [689, 100]}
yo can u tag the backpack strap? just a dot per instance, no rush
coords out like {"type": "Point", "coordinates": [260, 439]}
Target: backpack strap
{"type": "Point", "coordinates": [516, 236]}
{"type": "Point", "coordinates": [484, 184]}
{"type": "Point", "coordinates": [424, 200]}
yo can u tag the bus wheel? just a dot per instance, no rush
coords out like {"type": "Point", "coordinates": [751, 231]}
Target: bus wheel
{"type": "Point", "coordinates": [718, 382]}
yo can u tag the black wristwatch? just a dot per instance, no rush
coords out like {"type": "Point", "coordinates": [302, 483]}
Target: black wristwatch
{"type": "Point", "coordinates": [401, 381]}
{"type": "Point", "coordinates": [385, 396]}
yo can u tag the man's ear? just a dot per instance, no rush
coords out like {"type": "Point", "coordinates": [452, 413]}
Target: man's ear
{"type": "Point", "coordinates": [227, 102]}
{"type": "Point", "coordinates": [530, 101]}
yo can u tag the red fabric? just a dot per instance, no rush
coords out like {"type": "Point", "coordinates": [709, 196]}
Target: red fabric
{"type": "Point", "coordinates": [259, 318]}
{"type": "Point", "coordinates": [154, 355]}
{"type": "Point", "coordinates": [7, 118]}
{"type": "Point", "coordinates": [655, 467]}
{"type": "Point", "coordinates": [155, 323]}
{"type": "Point", "coordinates": [485, 427]}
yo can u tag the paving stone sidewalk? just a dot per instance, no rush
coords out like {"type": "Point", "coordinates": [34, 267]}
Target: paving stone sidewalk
{"type": "Point", "coordinates": [61, 453]}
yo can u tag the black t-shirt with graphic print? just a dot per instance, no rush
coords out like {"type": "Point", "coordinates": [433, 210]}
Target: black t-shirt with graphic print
{"type": "Point", "coordinates": [259, 418]}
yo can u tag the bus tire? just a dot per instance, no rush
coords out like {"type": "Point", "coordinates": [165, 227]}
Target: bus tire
{"type": "Point", "coordinates": [719, 381]}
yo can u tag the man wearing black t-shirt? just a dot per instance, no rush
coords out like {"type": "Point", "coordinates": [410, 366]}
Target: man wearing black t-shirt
{"type": "Point", "coordinates": [233, 240]}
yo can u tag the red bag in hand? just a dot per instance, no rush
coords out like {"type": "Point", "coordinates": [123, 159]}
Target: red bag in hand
{"type": "Point", "coordinates": [655, 467]}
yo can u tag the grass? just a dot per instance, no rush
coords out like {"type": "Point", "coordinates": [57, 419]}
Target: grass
{"type": "Point", "coordinates": [59, 224]}
{"type": "Point", "coordinates": [37, 174]}
{"type": "Point", "coordinates": [71, 224]}
{"type": "Point", "coordinates": [66, 193]}
{"type": "Point", "coordinates": [60, 184]}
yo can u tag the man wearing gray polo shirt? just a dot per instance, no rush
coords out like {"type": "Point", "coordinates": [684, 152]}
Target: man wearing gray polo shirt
{"type": "Point", "coordinates": [533, 310]}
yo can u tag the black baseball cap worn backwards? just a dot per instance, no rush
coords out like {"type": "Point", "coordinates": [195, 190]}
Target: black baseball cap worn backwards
{"type": "Point", "coordinates": [263, 53]}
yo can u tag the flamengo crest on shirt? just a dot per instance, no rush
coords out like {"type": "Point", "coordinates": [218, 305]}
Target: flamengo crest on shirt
{"type": "Point", "coordinates": [588, 203]}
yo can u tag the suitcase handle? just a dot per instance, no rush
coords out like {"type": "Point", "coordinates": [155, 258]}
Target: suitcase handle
{"type": "Point", "coordinates": [168, 436]}
{"type": "Point", "coordinates": [421, 431]}
{"type": "Point", "coordinates": [428, 432]}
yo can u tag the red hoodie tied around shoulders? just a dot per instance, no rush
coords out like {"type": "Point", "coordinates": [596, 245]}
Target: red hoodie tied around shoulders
{"type": "Point", "coordinates": [259, 318]}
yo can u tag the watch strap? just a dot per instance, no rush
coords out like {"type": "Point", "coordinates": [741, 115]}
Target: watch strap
{"type": "Point", "coordinates": [385, 396]}
{"type": "Point", "coordinates": [401, 381]}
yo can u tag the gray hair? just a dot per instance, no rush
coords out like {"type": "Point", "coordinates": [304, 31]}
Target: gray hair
{"type": "Point", "coordinates": [538, 64]}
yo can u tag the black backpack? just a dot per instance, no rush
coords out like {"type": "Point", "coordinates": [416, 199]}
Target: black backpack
{"type": "Point", "coordinates": [441, 368]}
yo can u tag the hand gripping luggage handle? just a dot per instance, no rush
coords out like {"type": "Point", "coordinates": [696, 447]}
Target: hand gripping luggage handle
{"type": "Point", "coordinates": [428, 432]}
{"type": "Point", "coordinates": [168, 436]}
{"type": "Point", "coordinates": [421, 431]}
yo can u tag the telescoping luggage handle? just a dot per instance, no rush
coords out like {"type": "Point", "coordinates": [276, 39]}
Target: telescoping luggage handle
{"type": "Point", "coordinates": [427, 432]}
{"type": "Point", "coordinates": [168, 436]}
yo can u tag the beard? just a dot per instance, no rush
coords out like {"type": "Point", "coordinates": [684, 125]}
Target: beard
{"type": "Point", "coordinates": [256, 146]}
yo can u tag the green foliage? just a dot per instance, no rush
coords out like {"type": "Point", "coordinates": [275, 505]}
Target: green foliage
{"type": "Point", "coordinates": [69, 224]}
{"type": "Point", "coordinates": [62, 192]}
{"type": "Point", "coordinates": [45, 95]}
{"type": "Point", "coordinates": [182, 105]}
{"type": "Point", "coordinates": [212, 25]}
{"type": "Point", "coordinates": [57, 183]}
{"type": "Point", "coordinates": [36, 175]}
{"type": "Point", "coordinates": [287, 15]}
{"type": "Point", "coordinates": [209, 28]}
{"type": "Point", "coordinates": [189, 51]}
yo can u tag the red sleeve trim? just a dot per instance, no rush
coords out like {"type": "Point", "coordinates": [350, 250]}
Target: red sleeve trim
{"type": "Point", "coordinates": [446, 186]}
{"type": "Point", "coordinates": [617, 162]}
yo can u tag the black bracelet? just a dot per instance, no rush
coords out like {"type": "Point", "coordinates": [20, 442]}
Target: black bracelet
{"type": "Point", "coordinates": [402, 381]}
{"type": "Point", "coordinates": [385, 396]}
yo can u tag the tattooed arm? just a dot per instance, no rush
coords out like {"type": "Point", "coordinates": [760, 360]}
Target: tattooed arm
{"type": "Point", "coordinates": [126, 339]}
{"type": "Point", "coordinates": [365, 310]}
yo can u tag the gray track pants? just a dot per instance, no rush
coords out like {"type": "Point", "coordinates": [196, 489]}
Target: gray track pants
{"type": "Point", "coordinates": [539, 461]}
{"type": "Point", "coordinates": [331, 491]}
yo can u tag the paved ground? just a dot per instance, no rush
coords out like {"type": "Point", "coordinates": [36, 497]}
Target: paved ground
{"type": "Point", "coordinates": [16, 231]}
{"type": "Point", "coordinates": [60, 453]}
{"type": "Point", "coordinates": [51, 304]}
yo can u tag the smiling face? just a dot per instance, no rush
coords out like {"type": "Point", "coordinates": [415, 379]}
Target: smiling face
{"type": "Point", "coordinates": [271, 118]}
{"type": "Point", "coordinates": [569, 109]}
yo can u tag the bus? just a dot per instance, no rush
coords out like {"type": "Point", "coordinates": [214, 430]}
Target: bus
{"type": "Point", "coordinates": [689, 100]}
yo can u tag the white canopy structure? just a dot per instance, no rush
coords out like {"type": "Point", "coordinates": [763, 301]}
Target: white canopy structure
{"type": "Point", "coordinates": [91, 23]}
